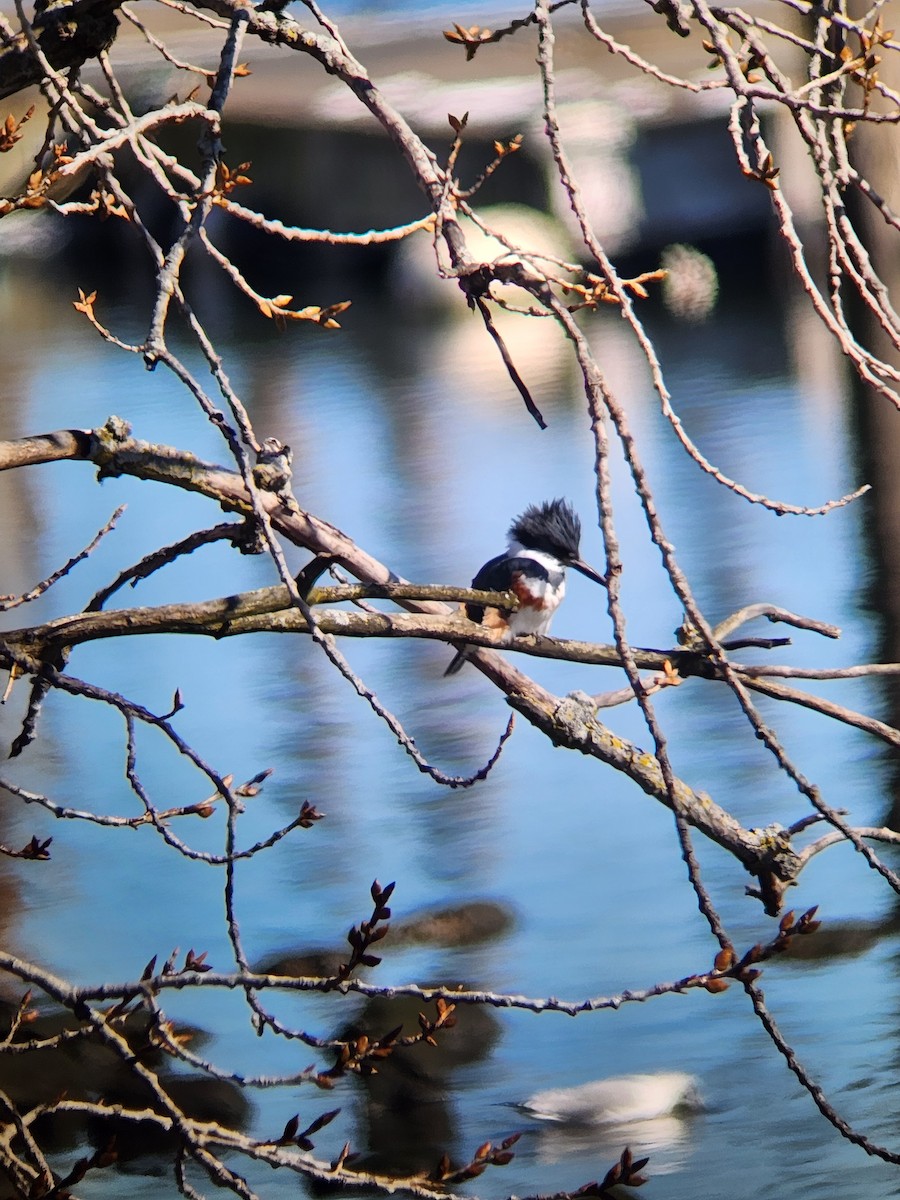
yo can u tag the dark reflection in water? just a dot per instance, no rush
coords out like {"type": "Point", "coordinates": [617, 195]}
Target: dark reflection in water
{"type": "Point", "coordinates": [408, 1110]}
{"type": "Point", "coordinates": [407, 434]}
{"type": "Point", "coordinates": [84, 1069]}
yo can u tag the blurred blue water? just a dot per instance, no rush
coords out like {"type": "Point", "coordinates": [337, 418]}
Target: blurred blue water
{"type": "Point", "coordinates": [408, 436]}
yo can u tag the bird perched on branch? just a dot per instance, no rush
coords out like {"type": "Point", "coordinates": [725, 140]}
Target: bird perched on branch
{"type": "Point", "coordinates": [543, 541]}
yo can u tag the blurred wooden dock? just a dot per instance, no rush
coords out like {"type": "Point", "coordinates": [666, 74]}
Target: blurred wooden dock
{"type": "Point", "coordinates": [654, 162]}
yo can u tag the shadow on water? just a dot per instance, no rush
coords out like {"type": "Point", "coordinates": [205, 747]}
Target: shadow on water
{"type": "Point", "coordinates": [79, 1067]}
{"type": "Point", "coordinates": [407, 1113]}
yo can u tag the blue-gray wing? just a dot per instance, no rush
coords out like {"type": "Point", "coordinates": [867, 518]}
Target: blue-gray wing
{"type": "Point", "coordinates": [497, 576]}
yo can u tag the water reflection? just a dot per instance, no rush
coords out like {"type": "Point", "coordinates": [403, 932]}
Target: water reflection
{"type": "Point", "coordinates": [651, 1114]}
{"type": "Point", "coordinates": [85, 1069]}
{"type": "Point", "coordinates": [410, 437]}
{"type": "Point", "coordinates": [410, 1113]}
{"type": "Point", "coordinates": [617, 1101]}
{"type": "Point", "coordinates": [665, 1140]}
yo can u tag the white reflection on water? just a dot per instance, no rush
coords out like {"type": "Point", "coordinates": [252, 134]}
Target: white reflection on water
{"type": "Point", "coordinates": [665, 1140]}
{"type": "Point", "coordinates": [648, 1113]}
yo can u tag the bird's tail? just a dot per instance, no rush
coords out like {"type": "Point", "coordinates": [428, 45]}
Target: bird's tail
{"type": "Point", "coordinates": [459, 661]}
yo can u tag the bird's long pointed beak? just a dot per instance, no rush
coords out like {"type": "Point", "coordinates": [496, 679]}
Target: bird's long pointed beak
{"type": "Point", "coordinates": [578, 564]}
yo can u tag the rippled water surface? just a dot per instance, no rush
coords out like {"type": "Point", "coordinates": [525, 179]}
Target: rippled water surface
{"type": "Point", "coordinates": [407, 435]}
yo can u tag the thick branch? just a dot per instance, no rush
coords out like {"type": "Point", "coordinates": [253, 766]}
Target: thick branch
{"type": "Point", "coordinates": [269, 610]}
{"type": "Point", "coordinates": [573, 724]}
{"type": "Point", "coordinates": [766, 854]}
{"type": "Point", "coordinates": [46, 447]}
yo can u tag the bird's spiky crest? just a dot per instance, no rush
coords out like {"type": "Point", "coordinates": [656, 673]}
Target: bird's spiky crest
{"type": "Point", "coordinates": [552, 527]}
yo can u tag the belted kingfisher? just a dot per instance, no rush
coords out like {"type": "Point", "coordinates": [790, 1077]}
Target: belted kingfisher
{"type": "Point", "coordinates": [543, 541]}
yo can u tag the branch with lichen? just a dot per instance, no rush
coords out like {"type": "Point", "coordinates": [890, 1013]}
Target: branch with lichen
{"type": "Point", "coordinates": [571, 723]}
